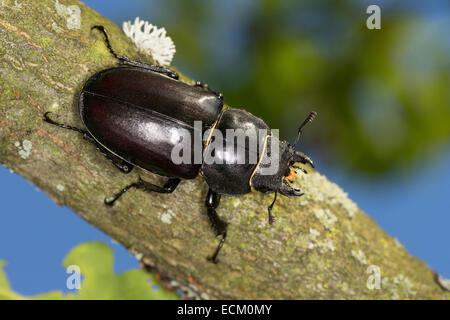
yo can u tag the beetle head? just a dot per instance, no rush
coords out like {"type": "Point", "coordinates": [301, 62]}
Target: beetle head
{"type": "Point", "coordinates": [282, 180]}
{"type": "Point", "coordinates": [290, 172]}
{"type": "Point", "coordinates": [283, 154]}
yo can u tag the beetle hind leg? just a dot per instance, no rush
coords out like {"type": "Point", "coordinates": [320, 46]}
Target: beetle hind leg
{"type": "Point", "coordinates": [168, 187]}
{"type": "Point", "coordinates": [85, 134]}
{"type": "Point", "coordinates": [121, 164]}
{"type": "Point", "coordinates": [127, 61]}
{"type": "Point", "coordinates": [218, 225]}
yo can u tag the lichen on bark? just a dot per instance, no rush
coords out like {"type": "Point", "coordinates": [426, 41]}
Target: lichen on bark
{"type": "Point", "coordinates": [321, 245]}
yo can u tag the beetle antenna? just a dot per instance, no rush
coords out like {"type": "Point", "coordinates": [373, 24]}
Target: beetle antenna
{"type": "Point", "coordinates": [271, 218]}
{"type": "Point", "coordinates": [108, 44]}
{"type": "Point", "coordinates": [308, 119]}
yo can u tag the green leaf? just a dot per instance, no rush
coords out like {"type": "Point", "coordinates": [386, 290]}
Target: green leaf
{"type": "Point", "coordinates": [4, 284]}
{"type": "Point", "coordinates": [95, 261]}
{"type": "Point", "coordinates": [5, 292]}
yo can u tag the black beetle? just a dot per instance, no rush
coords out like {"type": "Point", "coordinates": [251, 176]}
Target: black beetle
{"type": "Point", "coordinates": [131, 113]}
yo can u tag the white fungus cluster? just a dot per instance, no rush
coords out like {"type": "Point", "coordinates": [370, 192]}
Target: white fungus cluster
{"type": "Point", "coordinates": [151, 40]}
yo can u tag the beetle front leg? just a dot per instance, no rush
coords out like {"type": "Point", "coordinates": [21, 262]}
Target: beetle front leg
{"type": "Point", "coordinates": [127, 61]}
{"type": "Point", "coordinates": [269, 209]}
{"type": "Point", "coordinates": [168, 187]}
{"type": "Point", "coordinates": [219, 226]}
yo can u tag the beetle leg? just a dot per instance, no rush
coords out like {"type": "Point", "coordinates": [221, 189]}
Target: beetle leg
{"type": "Point", "coordinates": [168, 187]}
{"type": "Point", "coordinates": [269, 209]}
{"type": "Point", "coordinates": [85, 134]}
{"type": "Point", "coordinates": [219, 226]}
{"type": "Point", "coordinates": [128, 61]}
{"type": "Point", "coordinates": [122, 165]}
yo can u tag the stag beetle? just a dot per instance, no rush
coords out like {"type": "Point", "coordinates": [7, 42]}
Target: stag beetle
{"type": "Point", "coordinates": [133, 112]}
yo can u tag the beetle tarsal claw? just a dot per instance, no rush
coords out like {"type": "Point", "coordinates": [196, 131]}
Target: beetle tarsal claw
{"type": "Point", "coordinates": [109, 201]}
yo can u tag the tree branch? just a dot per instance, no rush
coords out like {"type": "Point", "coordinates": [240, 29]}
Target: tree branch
{"type": "Point", "coordinates": [319, 247]}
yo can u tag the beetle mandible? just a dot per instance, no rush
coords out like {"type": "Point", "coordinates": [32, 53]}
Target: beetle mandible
{"type": "Point", "coordinates": [132, 111]}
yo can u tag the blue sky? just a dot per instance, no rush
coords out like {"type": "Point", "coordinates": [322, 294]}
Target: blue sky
{"type": "Point", "coordinates": [36, 234]}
